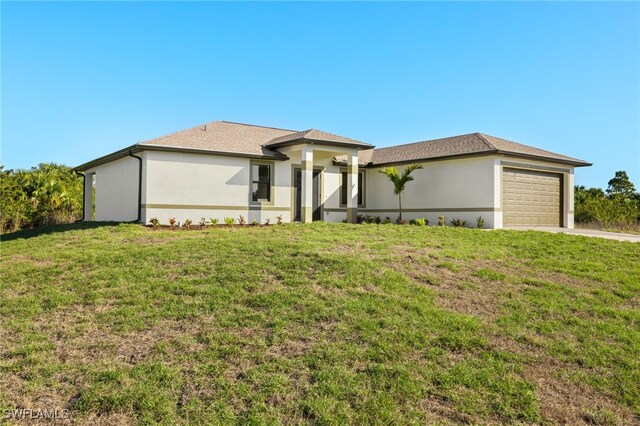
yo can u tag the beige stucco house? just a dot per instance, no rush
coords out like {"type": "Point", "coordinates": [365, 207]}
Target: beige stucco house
{"type": "Point", "coordinates": [225, 169]}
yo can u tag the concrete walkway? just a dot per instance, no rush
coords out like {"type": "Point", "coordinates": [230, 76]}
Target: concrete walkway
{"type": "Point", "coordinates": [585, 232]}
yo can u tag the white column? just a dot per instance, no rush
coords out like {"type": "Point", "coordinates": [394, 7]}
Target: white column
{"type": "Point", "coordinates": [306, 211]}
{"type": "Point", "coordinates": [352, 187]}
{"type": "Point", "coordinates": [568, 200]}
{"type": "Point", "coordinates": [88, 196]}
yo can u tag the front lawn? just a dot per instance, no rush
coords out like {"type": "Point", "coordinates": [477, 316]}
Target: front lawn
{"type": "Point", "coordinates": [320, 324]}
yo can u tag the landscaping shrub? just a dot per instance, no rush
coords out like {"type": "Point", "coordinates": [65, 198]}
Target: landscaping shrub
{"type": "Point", "coordinates": [154, 222]}
{"type": "Point", "coordinates": [241, 220]}
{"type": "Point", "coordinates": [480, 222]}
{"type": "Point", "coordinates": [213, 220]}
{"type": "Point", "coordinates": [421, 222]}
{"type": "Point", "coordinates": [187, 223]}
{"type": "Point", "coordinates": [229, 220]}
{"type": "Point", "coordinates": [458, 223]}
{"type": "Point", "coordinates": [442, 220]}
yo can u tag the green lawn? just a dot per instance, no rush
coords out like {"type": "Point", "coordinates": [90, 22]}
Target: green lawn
{"type": "Point", "coordinates": [320, 324]}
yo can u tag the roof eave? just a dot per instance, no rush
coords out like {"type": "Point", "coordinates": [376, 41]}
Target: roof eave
{"type": "Point", "coordinates": [116, 155]}
{"type": "Point", "coordinates": [276, 155]}
{"type": "Point", "coordinates": [139, 147]}
{"type": "Point", "coordinates": [359, 145]}
{"type": "Point", "coordinates": [572, 162]}
{"type": "Point", "coordinates": [575, 163]}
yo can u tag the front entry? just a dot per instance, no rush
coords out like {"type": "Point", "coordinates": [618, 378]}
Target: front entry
{"type": "Point", "coordinates": [297, 181]}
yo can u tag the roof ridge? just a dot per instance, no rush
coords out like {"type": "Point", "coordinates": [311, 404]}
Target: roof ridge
{"type": "Point", "coordinates": [257, 125]}
{"type": "Point", "coordinates": [485, 140]}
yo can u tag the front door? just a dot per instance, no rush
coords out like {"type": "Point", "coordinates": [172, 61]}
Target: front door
{"type": "Point", "coordinates": [297, 182]}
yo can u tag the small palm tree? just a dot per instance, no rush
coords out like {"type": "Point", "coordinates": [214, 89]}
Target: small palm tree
{"type": "Point", "coordinates": [399, 181]}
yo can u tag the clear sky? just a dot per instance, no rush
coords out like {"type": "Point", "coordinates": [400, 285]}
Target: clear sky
{"type": "Point", "coordinates": [80, 80]}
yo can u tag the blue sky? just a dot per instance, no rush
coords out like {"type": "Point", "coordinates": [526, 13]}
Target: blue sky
{"type": "Point", "coordinates": [80, 80]}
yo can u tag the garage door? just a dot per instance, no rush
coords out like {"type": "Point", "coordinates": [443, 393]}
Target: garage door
{"type": "Point", "coordinates": [531, 198]}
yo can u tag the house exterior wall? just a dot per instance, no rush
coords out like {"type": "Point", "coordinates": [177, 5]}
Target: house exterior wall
{"type": "Point", "coordinates": [458, 188]}
{"type": "Point", "coordinates": [116, 190]}
{"type": "Point", "coordinates": [191, 186]}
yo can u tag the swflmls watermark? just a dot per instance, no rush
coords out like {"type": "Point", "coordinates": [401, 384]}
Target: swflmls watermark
{"type": "Point", "coordinates": [35, 414]}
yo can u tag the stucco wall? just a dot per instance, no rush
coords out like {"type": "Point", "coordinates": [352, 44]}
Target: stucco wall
{"type": "Point", "coordinates": [185, 185]}
{"type": "Point", "coordinates": [460, 188]}
{"type": "Point", "coordinates": [191, 186]}
{"type": "Point", "coordinates": [117, 190]}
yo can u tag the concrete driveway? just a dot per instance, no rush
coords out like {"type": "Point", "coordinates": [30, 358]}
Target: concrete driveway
{"type": "Point", "coordinates": [585, 232]}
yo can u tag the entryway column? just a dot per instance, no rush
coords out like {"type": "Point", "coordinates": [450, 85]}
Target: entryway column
{"type": "Point", "coordinates": [88, 196]}
{"type": "Point", "coordinates": [352, 187]}
{"type": "Point", "coordinates": [306, 210]}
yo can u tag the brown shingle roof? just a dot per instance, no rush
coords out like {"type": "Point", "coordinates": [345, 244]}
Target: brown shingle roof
{"type": "Point", "coordinates": [455, 146]}
{"type": "Point", "coordinates": [223, 136]}
{"type": "Point", "coordinates": [314, 135]}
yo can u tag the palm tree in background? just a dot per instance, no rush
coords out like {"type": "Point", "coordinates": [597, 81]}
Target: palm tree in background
{"type": "Point", "coordinates": [399, 180]}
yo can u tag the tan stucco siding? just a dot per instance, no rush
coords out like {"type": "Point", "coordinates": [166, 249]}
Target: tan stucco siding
{"type": "Point", "coordinates": [191, 186]}
{"type": "Point", "coordinates": [116, 190]}
{"type": "Point", "coordinates": [457, 188]}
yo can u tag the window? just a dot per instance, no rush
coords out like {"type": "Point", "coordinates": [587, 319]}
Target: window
{"type": "Point", "coordinates": [260, 182]}
{"type": "Point", "coordinates": [343, 189]}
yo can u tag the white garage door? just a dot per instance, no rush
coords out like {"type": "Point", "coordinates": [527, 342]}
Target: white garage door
{"type": "Point", "coordinates": [531, 198]}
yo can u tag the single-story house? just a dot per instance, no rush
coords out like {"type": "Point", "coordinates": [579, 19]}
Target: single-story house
{"type": "Point", "coordinates": [226, 169]}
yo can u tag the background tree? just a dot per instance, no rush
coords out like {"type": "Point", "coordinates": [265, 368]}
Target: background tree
{"type": "Point", "coordinates": [618, 207]}
{"type": "Point", "coordinates": [400, 181]}
{"type": "Point", "coordinates": [621, 185]}
{"type": "Point", "coordinates": [45, 195]}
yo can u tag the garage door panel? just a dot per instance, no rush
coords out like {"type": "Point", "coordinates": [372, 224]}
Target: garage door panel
{"type": "Point", "coordinates": [531, 198]}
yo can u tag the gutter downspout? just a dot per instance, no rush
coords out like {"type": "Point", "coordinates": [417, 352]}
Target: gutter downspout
{"type": "Point", "coordinates": [139, 187]}
{"type": "Point", "coordinates": [84, 188]}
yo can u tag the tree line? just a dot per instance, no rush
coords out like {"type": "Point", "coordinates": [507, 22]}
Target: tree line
{"type": "Point", "coordinates": [617, 206]}
{"type": "Point", "coordinates": [48, 194]}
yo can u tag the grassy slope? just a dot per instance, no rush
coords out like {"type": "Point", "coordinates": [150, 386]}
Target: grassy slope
{"type": "Point", "coordinates": [292, 323]}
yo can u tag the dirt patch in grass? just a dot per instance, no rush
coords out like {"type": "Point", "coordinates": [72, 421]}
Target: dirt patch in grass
{"type": "Point", "coordinates": [566, 402]}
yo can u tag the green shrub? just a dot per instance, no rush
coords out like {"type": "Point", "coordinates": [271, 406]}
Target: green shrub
{"type": "Point", "coordinates": [387, 220]}
{"type": "Point", "coordinates": [458, 223]}
{"type": "Point", "coordinates": [480, 222]}
{"type": "Point", "coordinates": [213, 220]}
{"type": "Point", "coordinates": [154, 222]}
{"type": "Point", "coordinates": [378, 220]}
{"type": "Point", "coordinates": [254, 222]}
{"type": "Point", "coordinates": [187, 223]}
{"type": "Point", "coordinates": [279, 220]}
{"type": "Point", "coordinates": [266, 222]}
{"type": "Point", "coordinates": [421, 222]}
{"type": "Point", "coordinates": [442, 220]}
{"type": "Point", "coordinates": [229, 220]}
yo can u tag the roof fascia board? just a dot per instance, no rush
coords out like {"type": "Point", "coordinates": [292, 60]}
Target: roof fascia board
{"type": "Point", "coordinates": [138, 148]}
{"type": "Point", "coordinates": [470, 155]}
{"type": "Point", "coordinates": [116, 155]}
{"type": "Point", "coordinates": [319, 142]}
